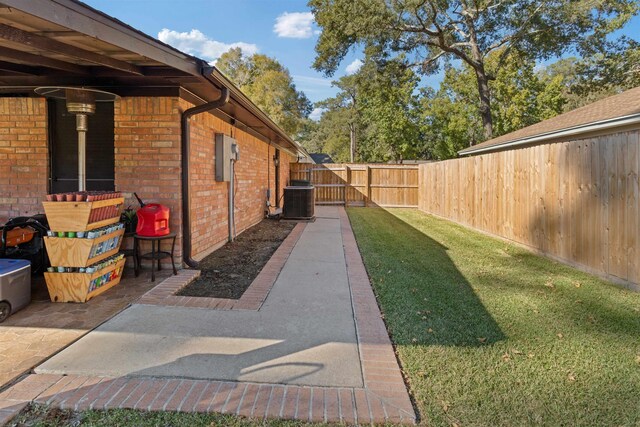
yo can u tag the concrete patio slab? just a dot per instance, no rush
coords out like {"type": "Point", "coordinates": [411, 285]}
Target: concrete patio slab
{"type": "Point", "coordinates": [43, 328]}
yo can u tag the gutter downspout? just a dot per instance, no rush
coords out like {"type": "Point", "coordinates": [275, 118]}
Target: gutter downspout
{"type": "Point", "coordinates": [231, 202]}
{"type": "Point", "coordinates": [185, 149]}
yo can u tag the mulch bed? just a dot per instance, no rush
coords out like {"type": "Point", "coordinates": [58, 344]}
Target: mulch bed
{"type": "Point", "coordinates": [230, 270]}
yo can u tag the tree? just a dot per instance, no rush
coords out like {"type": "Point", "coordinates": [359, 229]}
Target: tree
{"type": "Point", "coordinates": [609, 71]}
{"type": "Point", "coordinates": [431, 31]}
{"type": "Point", "coordinates": [451, 114]}
{"type": "Point", "coordinates": [374, 116]}
{"type": "Point", "coordinates": [346, 101]}
{"type": "Point", "coordinates": [269, 85]}
{"type": "Point", "coordinates": [340, 124]}
{"type": "Point", "coordinates": [309, 136]}
{"type": "Point", "coordinates": [615, 67]}
{"type": "Point", "coordinates": [520, 98]}
{"type": "Point", "coordinates": [237, 67]}
{"type": "Point", "coordinates": [329, 135]}
{"type": "Point", "coordinates": [389, 108]}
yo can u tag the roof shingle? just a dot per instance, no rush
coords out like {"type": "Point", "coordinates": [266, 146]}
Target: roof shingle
{"type": "Point", "coordinates": [625, 104]}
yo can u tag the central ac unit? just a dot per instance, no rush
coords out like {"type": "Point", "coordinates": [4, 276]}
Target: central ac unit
{"type": "Point", "coordinates": [299, 202]}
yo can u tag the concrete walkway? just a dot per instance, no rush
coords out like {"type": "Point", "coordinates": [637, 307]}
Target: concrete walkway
{"type": "Point", "coordinates": [316, 349]}
{"type": "Point", "coordinates": [303, 334]}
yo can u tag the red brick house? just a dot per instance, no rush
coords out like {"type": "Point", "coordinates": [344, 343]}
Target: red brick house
{"type": "Point", "coordinates": [143, 142]}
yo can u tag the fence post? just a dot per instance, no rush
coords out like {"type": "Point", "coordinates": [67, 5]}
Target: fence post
{"type": "Point", "coordinates": [347, 183]}
{"type": "Point", "coordinates": [367, 183]}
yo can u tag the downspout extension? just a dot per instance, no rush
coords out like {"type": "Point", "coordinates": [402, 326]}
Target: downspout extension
{"type": "Point", "coordinates": [185, 148]}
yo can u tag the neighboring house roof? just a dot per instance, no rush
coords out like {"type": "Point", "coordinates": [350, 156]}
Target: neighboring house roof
{"type": "Point", "coordinates": [614, 111]}
{"type": "Point", "coordinates": [320, 158]}
{"type": "Point", "coordinates": [67, 43]}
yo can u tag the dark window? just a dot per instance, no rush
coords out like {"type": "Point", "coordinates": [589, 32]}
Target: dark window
{"type": "Point", "coordinates": [63, 146]}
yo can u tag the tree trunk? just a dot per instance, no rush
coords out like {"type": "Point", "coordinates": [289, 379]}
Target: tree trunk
{"type": "Point", "coordinates": [477, 63]}
{"type": "Point", "coordinates": [352, 137]}
{"type": "Point", "coordinates": [485, 102]}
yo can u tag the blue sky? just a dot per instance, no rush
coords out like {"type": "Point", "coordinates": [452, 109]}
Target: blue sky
{"type": "Point", "coordinates": [230, 22]}
{"type": "Point", "coordinates": [283, 29]}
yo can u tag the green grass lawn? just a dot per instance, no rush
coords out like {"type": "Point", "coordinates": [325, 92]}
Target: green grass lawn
{"type": "Point", "coordinates": [490, 334]}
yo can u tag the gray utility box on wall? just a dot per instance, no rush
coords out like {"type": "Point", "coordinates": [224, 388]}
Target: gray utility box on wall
{"type": "Point", "coordinates": [226, 150]}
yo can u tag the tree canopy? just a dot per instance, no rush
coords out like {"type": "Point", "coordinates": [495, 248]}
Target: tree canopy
{"type": "Point", "coordinates": [269, 85]}
{"type": "Point", "coordinates": [396, 117]}
{"type": "Point", "coordinates": [374, 117]}
{"type": "Point", "coordinates": [604, 73]}
{"type": "Point", "coordinates": [432, 33]}
{"type": "Point", "coordinates": [521, 97]}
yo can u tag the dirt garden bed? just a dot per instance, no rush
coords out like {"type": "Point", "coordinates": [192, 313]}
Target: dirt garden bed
{"type": "Point", "coordinates": [229, 271]}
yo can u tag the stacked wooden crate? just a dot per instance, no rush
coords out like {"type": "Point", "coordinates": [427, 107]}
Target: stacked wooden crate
{"type": "Point", "coordinates": [82, 270]}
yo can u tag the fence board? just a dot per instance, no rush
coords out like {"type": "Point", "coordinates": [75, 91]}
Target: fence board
{"type": "Point", "coordinates": [361, 184]}
{"type": "Point", "coordinates": [576, 200]}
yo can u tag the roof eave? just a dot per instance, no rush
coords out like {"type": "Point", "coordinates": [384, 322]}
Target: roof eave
{"type": "Point", "coordinates": [572, 131]}
{"type": "Point", "coordinates": [84, 19]}
{"type": "Point", "coordinates": [80, 17]}
{"type": "Point", "coordinates": [245, 102]}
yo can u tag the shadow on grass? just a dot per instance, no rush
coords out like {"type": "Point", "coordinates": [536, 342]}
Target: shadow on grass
{"type": "Point", "coordinates": [420, 289]}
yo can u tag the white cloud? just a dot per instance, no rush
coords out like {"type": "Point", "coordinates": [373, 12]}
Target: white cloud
{"type": "Point", "coordinates": [294, 25]}
{"type": "Point", "coordinates": [354, 66]}
{"type": "Point", "coordinates": [196, 43]}
{"type": "Point", "coordinates": [314, 81]}
{"type": "Point", "coordinates": [316, 113]}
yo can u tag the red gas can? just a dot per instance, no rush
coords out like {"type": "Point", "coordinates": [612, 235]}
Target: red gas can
{"type": "Point", "coordinates": [153, 220]}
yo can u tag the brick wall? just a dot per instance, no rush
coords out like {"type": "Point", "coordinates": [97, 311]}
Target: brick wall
{"type": "Point", "coordinates": [147, 161]}
{"type": "Point", "coordinates": [147, 154]}
{"type": "Point", "coordinates": [209, 204]}
{"type": "Point", "coordinates": [208, 197]}
{"type": "Point", "coordinates": [285, 161]}
{"type": "Point", "coordinates": [23, 156]}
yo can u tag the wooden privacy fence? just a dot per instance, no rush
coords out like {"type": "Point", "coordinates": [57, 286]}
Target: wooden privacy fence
{"type": "Point", "coordinates": [576, 200]}
{"type": "Point", "coordinates": [361, 184]}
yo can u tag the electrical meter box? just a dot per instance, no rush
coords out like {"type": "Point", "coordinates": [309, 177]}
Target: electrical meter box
{"type": "Point", "coordinates": [226, 150]}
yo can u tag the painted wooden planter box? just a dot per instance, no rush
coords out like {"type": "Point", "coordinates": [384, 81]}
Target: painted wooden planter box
{"type": "Point", "coordinates": [83, 216]}
{"type": "Point", "coordinates": [76, 287]}
{"type": "Point", "coordinates": [74, 252]}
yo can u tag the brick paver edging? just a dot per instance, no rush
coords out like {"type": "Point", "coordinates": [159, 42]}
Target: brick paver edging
{"type": "Point", "coordinates": [259, 401]}
{"type": "Point", "coordinates": [380, 370]}
{"type": "Point", "coordinates": [251, 299]}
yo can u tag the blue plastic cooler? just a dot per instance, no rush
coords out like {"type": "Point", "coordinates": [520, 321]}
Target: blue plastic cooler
{"type": "Point", "coordinates": [15, 286]}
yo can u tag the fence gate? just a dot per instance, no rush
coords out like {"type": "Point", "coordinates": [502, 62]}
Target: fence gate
{"type": "Point", "coordinates": [361, 184]}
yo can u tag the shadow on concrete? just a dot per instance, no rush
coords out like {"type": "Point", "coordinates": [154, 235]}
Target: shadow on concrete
{"type": "Point", "coordinates": [294, 372]}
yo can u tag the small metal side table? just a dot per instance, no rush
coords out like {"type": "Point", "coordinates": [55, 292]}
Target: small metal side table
{"type": "Point", "coordinates": [155, 254]}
